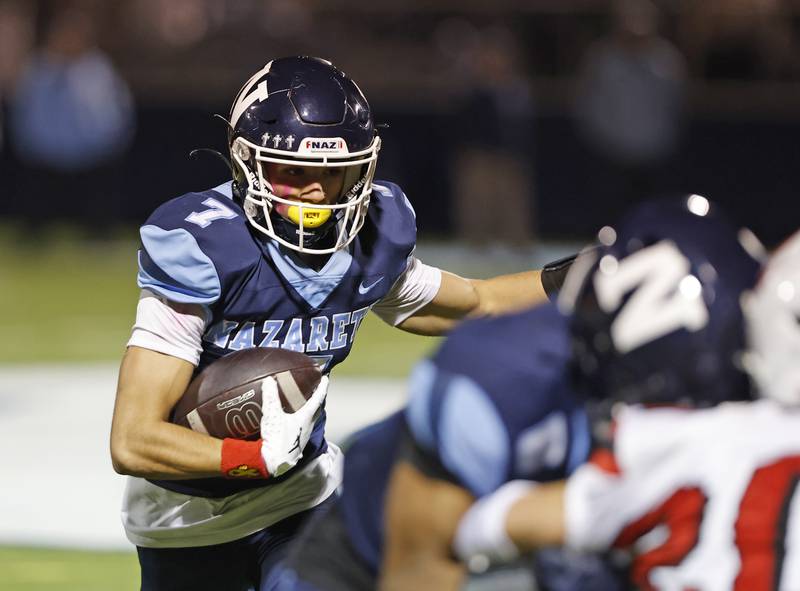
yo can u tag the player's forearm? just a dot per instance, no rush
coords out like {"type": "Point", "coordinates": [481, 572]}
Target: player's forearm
{"type": "Point", "coordinates": [508, 293]}
{"type": "Point", "coordinates": [459, 298]}
{"type": "Point", "coordinates": [424, 575]}
{"type": "Point", "coordinates": [166, 451]}
{"type": "Point", "coordinates": [518, 517]}
{"type": "Point", "coordinates": [537, 519]}
{"type": "Point", "coordinates": [431, 322]}
{"type": "Point", "coordinates": [143, 442]}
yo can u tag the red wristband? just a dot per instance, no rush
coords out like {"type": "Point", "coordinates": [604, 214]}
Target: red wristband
{"type": "Point", "coordinates": [242, 459]}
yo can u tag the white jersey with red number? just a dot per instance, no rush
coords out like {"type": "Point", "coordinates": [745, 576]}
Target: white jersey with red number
{"type": "Point", "coordinates": [704, 498]}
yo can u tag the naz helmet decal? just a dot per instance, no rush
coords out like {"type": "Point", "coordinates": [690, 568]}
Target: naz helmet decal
{"type": "Point", "coordinates": [655, 313]}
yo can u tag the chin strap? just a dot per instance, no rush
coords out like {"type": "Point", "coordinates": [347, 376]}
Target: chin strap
{"type": "Point", "coordinates": [194, 153]}
{"type": "Point", "coordinates": [238, 194]}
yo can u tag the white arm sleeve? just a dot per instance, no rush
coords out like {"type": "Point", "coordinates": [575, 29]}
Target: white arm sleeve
{"type": "Point", "coordinates": [416, 287]}
{"type": "Point", "coordinates": [165, 329]}
{"type": "Point", "coordinates": [593, 508]}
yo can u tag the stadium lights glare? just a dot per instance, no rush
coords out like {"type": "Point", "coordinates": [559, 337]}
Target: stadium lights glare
{"type": "Point", "coordinates": [698, 205]}
{"type": "Point", "coordinates": [690, 287]}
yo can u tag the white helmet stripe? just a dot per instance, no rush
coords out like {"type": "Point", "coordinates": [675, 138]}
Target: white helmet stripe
{"type": "Point", "coordinates": [245, 98]}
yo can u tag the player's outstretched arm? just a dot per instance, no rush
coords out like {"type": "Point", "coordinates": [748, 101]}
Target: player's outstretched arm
{"type": "Point", "coordinates": [508, 293]}
{"type": "Point", "coordinates": [143, 442]}
{"type": "Point", "coordinates": [519, 517]}
{"type": "Point", "coordinates": [422, 514]}
{"type": "Point", "coordinates": [459, 298]}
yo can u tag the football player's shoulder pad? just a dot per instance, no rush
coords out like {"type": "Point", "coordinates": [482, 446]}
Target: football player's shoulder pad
{"type": "Point", "coordinates": [529, 344]}
{"type": "Point", "coordinates": [193, 245]}
{"type": "Point", "coordinates": [465, 403]}
{"type": "Point", "coordinates": [391, 216]}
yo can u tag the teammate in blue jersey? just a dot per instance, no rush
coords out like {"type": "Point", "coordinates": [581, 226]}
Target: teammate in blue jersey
{"type": "Point", "coordinates": [491, 406]}
{"type": "Point", "coordinates": [292, 253]}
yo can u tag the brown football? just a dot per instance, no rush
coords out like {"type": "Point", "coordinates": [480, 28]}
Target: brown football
{"type": "Point", "coordinates": [224, 400]}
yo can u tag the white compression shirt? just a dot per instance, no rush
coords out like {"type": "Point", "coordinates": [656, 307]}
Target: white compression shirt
{"type": "Point", "coordinates": [415, 288]}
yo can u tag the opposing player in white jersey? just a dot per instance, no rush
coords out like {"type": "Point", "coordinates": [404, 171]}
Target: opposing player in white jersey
{"type": "Point", "coordinates": [699, 492]}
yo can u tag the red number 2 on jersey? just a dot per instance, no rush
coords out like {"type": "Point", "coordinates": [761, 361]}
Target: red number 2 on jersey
{"type": "Point", "coordinates": [682, 514]}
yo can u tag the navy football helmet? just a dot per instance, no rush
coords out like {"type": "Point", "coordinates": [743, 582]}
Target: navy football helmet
{"type": "Point", "coordinates": [303, 111]}
{"type": "Point", "coordinates": [656, 310]}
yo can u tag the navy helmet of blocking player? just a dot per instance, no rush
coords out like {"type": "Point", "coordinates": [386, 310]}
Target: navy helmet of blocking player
{"type": "Point", "coordinates": [490, 406]}
{"type": "Point", "coordinates": [292, 253]}
{"type": "Point", "coordinates": [664, 285]}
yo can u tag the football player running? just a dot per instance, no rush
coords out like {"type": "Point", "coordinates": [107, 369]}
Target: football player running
{"type": "Point", "coordinates": [702, 498]}
{"type": "Point", "coordinates": [292, 253]}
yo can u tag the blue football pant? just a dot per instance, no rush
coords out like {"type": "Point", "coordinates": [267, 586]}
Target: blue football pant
{"type": "Point", "coordinates": [322, 558]}
{"type": "Point", "coordinates": [241, 565]}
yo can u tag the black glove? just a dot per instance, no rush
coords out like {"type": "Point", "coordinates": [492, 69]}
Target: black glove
{"type": "Point", "coordinates": [553, 274]}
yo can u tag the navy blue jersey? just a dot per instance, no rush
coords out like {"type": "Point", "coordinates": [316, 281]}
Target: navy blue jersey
{"type": "Point", "coordinates": [199, 249]}
{"type": "Point", "coordinates": [492, 405]}
{"type": "Point", "coordinates": [367, 466]}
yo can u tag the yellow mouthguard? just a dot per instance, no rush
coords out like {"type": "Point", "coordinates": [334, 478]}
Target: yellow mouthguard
{"type": "Point", "coordinates": [312, 217]}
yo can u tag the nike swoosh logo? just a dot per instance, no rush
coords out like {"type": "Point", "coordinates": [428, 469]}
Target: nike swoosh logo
{"type": "Point", "coordinates": [362, 289]}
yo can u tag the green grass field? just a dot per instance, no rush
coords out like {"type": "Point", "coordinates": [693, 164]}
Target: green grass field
{"type": "Point", "coordinates": [26, 569]}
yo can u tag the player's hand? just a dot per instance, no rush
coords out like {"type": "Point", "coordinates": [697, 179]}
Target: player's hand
{"type": "Point", "coordinates": [482, 529]}
{"type": "Point", "coordinates": [285, 435]}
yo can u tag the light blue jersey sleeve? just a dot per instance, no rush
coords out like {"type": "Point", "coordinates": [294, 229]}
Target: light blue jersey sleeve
{"type": "Point", "coordinates": [172, 264]}
{"type": "Point", "coordinates": [190, 243]}
{"type": "Point", "coordinates": [451, 417]}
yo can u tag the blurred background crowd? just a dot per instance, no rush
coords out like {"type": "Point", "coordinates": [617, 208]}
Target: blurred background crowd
{"type": "Point", "coordinates": [506, 121]}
